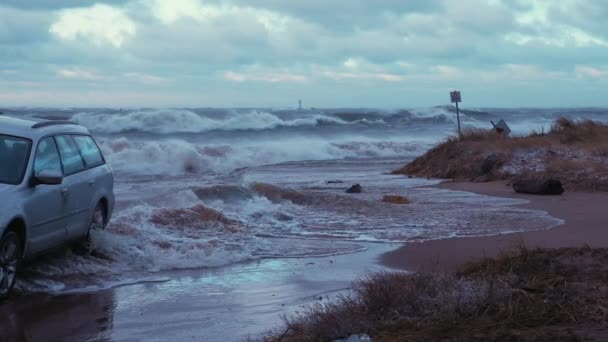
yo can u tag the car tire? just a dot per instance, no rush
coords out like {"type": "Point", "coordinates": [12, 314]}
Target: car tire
{"type": "Point", "coordinates": [98, 221]}
{"type": "Point", "coordinates": [10, 261]}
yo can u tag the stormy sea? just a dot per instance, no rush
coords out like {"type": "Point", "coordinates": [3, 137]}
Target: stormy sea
{"type": "Point", "coordinates": [204, 188]}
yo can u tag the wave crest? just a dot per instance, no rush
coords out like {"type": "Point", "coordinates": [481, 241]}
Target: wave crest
{"type": "Point", "coordinates": [176, 157]}
{"type": "Point", "coordinates": [186, 121]}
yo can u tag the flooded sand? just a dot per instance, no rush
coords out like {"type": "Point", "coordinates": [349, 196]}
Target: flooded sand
{"type": "Point", "coordinates": [277, 211]}
{"type": "Point", "coordinates": [224, 304]}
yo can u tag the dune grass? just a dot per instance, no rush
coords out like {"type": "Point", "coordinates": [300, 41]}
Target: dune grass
{"type": "Point", "coordinates": [527, 295]}
{"type": "Point", "coordinates": [575, 152]}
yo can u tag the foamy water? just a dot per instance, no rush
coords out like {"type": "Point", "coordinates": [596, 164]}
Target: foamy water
{"type": "Point", "coordinates": [207, 188]}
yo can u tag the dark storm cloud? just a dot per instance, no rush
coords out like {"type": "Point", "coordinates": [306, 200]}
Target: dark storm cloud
{"type": "Point", "coordinates": [19, 27]}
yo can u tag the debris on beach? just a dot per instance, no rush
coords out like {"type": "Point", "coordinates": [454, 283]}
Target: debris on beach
{"type": "Point", "coordinates": [489, 163]}
{"type": "Point", "coordinates": [538, 187]}
{"type": "Point", "coordinates": [355, 189]}
{"type": "Point", "coordinates": [277, 194]}
{"type": "Point", "coordinates": [395, 199]}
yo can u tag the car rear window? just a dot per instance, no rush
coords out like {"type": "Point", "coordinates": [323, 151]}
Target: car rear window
{"type": "Point", "coordinates": [89, 150]}
{"type": "Point", "coordinates": [70, 155]}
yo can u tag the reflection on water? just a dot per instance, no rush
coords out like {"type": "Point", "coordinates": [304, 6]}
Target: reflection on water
{"type": "Point", "coordinates": [39, 317]}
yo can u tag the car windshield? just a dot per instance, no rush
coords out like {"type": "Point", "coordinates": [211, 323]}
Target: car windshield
{"type": "Point", "coordinates": [14, 153]}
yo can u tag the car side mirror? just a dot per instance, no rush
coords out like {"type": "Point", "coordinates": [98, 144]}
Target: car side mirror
{"type": "Point", "coordinates": [48, 177]}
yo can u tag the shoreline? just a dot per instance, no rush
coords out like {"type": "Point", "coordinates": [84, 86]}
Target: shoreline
{"type": "Point", "coordinates": [585, 224]}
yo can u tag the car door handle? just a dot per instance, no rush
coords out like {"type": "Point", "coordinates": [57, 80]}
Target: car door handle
{"type": "Point", "coordinates": [65, 192]}
{"type": "Point", "coordinates": [91, 182]}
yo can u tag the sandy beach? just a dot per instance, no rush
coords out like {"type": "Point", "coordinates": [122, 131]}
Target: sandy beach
{"type": "Point", "coordinates": [585, 224]}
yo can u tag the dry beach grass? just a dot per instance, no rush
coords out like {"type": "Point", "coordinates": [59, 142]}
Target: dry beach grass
{"type": "Point", "coordinates": [525, 295]}
{"type": "Point", "coordinates": [575, 152]}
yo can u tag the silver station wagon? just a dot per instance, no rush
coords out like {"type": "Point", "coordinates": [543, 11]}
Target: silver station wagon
{"type": "Point", "coordinates": [55, 186]}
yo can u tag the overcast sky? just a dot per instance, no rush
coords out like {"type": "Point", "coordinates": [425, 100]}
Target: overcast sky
{"type": "Point", "coordinates": [330, 53]}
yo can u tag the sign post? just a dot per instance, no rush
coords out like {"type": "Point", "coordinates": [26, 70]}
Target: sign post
{"type": "Point", "coordinates": [455, 97]}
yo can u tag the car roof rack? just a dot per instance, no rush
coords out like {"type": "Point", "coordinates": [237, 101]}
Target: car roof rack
{"type": "Point", "coordinates": [53, 123]}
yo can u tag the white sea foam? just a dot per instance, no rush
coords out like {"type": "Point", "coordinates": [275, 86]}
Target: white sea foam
{"type": "Point", "coordinates": [137, 244]}
{"type": "Point", "coordinates": [186, 121]}
{"type": "Point", "coordinates": [176, 156]}
{"type": "Point", "coordinates": [167, 233]}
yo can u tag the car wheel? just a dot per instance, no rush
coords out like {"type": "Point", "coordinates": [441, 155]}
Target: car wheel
{"type": "Point", "coordinates": [10, 257]}
{"type": "Point", "coordinates": [98, 222]}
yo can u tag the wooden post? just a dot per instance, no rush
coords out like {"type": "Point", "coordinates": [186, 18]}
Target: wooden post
{"type": "Point", "coordinates": [458, 118]}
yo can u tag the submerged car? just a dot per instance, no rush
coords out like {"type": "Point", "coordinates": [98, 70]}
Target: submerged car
{"type": "Point", "coordinates": [55, 187]}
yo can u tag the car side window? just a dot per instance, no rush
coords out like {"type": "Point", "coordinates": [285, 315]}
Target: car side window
{"type": "Point", "coordinates": [70, 156]}
{"type": "Point", "coordinates": [47, 157]}
{"type": "Point", "coordinates": [89, 150]}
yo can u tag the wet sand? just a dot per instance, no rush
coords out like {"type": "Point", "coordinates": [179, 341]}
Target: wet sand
{"type": "Point", "coordinates": [223, 304]}
{"type": "Point", "coordinates": [586, 223]}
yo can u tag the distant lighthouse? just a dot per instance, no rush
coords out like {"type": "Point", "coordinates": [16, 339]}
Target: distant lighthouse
{"type": "Point", "coordinates": [300, 105]}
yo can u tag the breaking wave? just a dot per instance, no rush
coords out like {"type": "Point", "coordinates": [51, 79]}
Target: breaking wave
{"type": "Point", "coordinates": [177, 156]}
{"type": "Point", "coordinates": [171, 121]}
{"type": "Point", "coordinates": [186, 121]}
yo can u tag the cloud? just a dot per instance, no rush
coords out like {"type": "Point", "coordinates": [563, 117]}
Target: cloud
{"type": "Point", "coordinates": [80, 74]}
{"type": "Point", "coordinates": [170, 11]}
{"type": "Point", "coordinates": [51, 4]}
{"type": "Point", "coordinates": [558, 23]}
{"type": "Point", "coordinates": [373, 51]}
{"type": "Point", "coordinates": [267, 76]}
{"type": "Point", "coordinates": [130, 77]}
{"type": "Point", "coordinates": [146, 78]}
{"type": "Point", "coordinates": [585, 71]}
{"type": "Point", "coordinates": [99, 24]}
{"type": "Point", "coordinates": [381, 76]}
{"type": "Point", "coordinates": [358, 68]}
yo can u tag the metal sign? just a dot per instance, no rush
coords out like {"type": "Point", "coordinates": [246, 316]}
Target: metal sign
{"type": "Point", "coordinates": [502, 128]}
